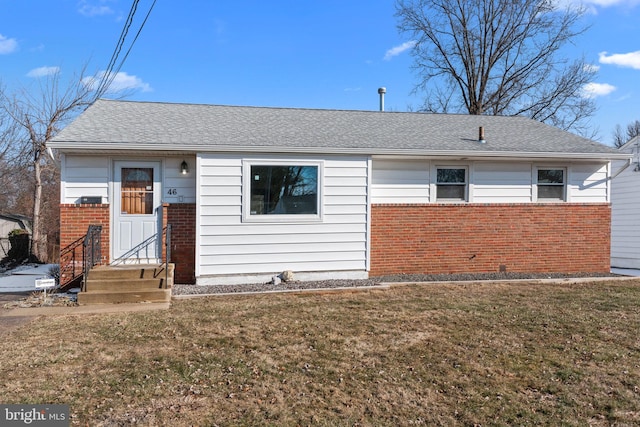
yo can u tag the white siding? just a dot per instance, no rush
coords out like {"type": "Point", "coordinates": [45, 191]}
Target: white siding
{"type": "Point", "coordinates": [179, 188]}
{"type": "Point", "coordinates": [85, 176]}
{"type": "Point", "coordinates": [92, 176]}
{"type": "Point", "coordinates": [400, 181]}
{"type": "Point", "coordinates": [228, 246]}
{"type": "Point", "coordinates": [408, 181]}
{"type": "Point", "coordinates": [588, 183]}
{"type": "Point", "coordinates": [625, 218]}
{"type": "Point", "coordinates": [502, 182]}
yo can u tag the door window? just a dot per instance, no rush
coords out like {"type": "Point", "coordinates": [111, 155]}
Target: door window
{"type": "Point", "coordinates": [137, 191]}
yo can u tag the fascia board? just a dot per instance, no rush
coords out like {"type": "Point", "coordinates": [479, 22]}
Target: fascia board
{"type": "Point", "coordinates": [79, 147]}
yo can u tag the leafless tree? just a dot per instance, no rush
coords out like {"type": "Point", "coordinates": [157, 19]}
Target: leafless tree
{"type": "Point", "coordinates": [10, 147]}
{"type": "Point", "coordinates": [39, 115]}
{"type": "Point", "coordinates": [499, 57]}
{"type": "Point", "coordinates": [621, 137]}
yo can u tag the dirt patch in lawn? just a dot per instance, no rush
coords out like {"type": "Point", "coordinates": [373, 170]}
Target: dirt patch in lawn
{"type": "Point", "coordinates": [435, 354]}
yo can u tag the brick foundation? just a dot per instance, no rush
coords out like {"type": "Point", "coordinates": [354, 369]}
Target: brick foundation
{"type": "Point", "coordinates": [561, 238]}
{"type": "Point", "coordinates": [182, 217]}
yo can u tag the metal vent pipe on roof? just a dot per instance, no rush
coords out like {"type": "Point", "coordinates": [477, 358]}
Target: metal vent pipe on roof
{"type": "Point", "coordinates": [481, 139]}
{"type": "Point", "coordinates": [381, 92]}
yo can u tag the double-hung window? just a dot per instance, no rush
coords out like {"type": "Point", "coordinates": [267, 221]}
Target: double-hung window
{"type": "Point", "coordinates": [452, 184]}
{"type": "Point", "coordinates": [287, 191]}
{"type": "Point", "coordinates": [551, 183]}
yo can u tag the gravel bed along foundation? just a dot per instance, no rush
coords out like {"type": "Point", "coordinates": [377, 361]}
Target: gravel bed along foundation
{"type": "Point", "coordinates": [333, 284]}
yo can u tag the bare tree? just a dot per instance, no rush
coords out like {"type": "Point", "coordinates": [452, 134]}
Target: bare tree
{"type": "Point", "coordinates": [39, 115]}
{"type": "Point", "coordinates": [498, 57]}
{"type": "Point", "coordinates": [10, 147]}
{"type": "Point", "coordinates": [620, 137]}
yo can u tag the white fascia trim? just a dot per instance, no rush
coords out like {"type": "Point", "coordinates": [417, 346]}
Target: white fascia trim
{"type": "Point", "coordinates": [83, 147]}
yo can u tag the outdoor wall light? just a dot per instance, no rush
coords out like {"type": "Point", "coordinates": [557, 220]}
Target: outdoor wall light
{"type": "Point", "coordinates": [184, 168]}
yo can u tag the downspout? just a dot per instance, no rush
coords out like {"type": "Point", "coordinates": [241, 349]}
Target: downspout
{"type": "Point", "coordinates": [622, 169]}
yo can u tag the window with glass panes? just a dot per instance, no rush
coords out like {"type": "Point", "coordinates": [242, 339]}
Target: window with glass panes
{"type": "Point", "coordinates": [551, 184]}
{"type": "Point", "coordinates": [451, 183]}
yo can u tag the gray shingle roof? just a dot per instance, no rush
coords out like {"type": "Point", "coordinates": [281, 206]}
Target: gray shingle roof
{"type": "Point", "coordinates": [190, 127]}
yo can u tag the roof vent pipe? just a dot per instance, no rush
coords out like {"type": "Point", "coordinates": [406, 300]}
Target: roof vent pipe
{"type": "Point", "coordinates": [481, 139]}
{"type": "Point", "coordinates": [381, 92]}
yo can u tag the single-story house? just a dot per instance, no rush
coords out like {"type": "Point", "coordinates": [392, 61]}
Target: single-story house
{"type": "Point", "coordinates": [251, 192]}
{"type": "Point", "coordinates": [625, 211]}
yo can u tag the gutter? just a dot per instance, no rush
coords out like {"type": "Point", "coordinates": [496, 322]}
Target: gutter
{"type": "Point", "coordinates": [83, 147]}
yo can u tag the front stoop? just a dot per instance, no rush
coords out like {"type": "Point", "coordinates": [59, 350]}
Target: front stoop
{"type": "Point", "coordinates": [127, 284]}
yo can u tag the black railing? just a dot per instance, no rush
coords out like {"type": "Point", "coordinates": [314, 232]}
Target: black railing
{"type": "Point", "coordinates": [167, 253]}
{"type": "Point", "coordinates": [77, 258]}
{"type": "Point", "coordinates": [92, 253]}
{"type": "Point", "coordinates": [71, 262]}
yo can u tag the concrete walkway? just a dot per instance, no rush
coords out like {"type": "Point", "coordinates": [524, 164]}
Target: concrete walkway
{"type": "Point", "coordinates": [82, 309]}
{"type": "Point", "coordinates": [11, 319]}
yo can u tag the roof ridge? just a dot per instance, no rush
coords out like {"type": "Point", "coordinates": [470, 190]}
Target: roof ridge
{"type": "Point", "coordinates": [338, 110]}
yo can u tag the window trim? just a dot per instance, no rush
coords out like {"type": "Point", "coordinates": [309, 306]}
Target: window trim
{"type": "Point", "coordinates": [539, 199]}
{"type": "Point", "coordinates": [281, 218]}
{"type": "Point", "coordinates": [467, 183]}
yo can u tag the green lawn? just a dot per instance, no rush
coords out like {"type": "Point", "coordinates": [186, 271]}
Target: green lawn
{"type": "Point", "coordinates": [454, 354]}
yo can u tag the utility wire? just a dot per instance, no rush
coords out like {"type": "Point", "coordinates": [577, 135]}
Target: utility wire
{"type": "Point", "coordinates": [109, 74]}
{"type": "Point", "coordinates": [126, 55]}
{"type": "Point", "coordinates": [102, 88]}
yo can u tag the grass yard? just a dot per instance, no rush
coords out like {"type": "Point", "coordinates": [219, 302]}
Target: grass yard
{"type": "Point", "coordinates": [454, 354]}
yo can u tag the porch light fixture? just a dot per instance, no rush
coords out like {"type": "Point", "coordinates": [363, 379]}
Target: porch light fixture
{"type": "Point", "coordinates": [184, 168]}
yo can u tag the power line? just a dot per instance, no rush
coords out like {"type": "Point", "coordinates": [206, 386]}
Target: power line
{"type": "Point", "coordinates": [102, 86]}
{"type": "Point", "coordinates": [109, 75]}
{"type": "Point", "coordinates": [126, 55]}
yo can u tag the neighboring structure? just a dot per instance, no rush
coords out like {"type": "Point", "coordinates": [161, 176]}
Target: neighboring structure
{"type": "Point", "coordinates": [251, 192]}
{"type": "Point", "coordinates": [8, 223]}
{"type": "Point", "coordinates": [625, 215]}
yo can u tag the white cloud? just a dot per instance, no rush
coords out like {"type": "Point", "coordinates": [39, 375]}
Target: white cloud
{"type": "Point", "coordinates": [609, 3]}
{"type": "Point", "coordinates": [591, 68]}
{"type": "Point", "coordinates": [91, 8]}
{"type": "Point", "coordinates": [397, 50]}
{"type": "Point", "coordinates": [43, 71]}
{"type": "Point", "coordinates": [7, 45]}
{"type": "Point", "coordinates": [593, 90]}
{"type": "Point", "coordinates": [593, 6]}
{"type": "Point", "coordinates": [121, 82]}
{"type": "Point", "coordinates": [630, 60]}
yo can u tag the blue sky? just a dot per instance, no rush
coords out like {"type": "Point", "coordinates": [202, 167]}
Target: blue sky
{"type": "Point", "coordinates": [290, 53]}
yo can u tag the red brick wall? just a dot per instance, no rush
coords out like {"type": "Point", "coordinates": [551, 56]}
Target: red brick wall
{"type": "Point", "coordinates": [76, 219]}
{"type": "Point", "coordinates": [561, 238]}
{"type": "Point", "coordinates": [182, 217]}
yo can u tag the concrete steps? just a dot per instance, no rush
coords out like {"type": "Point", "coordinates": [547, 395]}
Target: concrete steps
{"type": "Point", "coordinates": [127, 284]}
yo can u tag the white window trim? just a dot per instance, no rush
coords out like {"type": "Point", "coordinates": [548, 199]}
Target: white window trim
{"type": "Point", "coordinates": [434, 180]}
{"type": "Point", "coordinates": [565, 186]}
{"type": "Point", "coordinates": [246, 192]}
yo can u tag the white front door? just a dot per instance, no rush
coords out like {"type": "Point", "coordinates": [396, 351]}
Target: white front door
{"type": "Point", "coordinates": [136, 205]}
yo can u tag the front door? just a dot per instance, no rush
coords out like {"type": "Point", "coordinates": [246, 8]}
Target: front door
{"type": "Point", "coordinates": [136, 212]}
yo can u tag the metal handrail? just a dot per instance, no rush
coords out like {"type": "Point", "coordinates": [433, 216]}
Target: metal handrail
{"type": "Point", "coordinates": [92, 251]}
{"type": "Point", "coordinates": [143, 247]}
{"type": "Point", "coordinates": [167, 253]}
{"type": "Point", "coordinates": [70, 266]}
